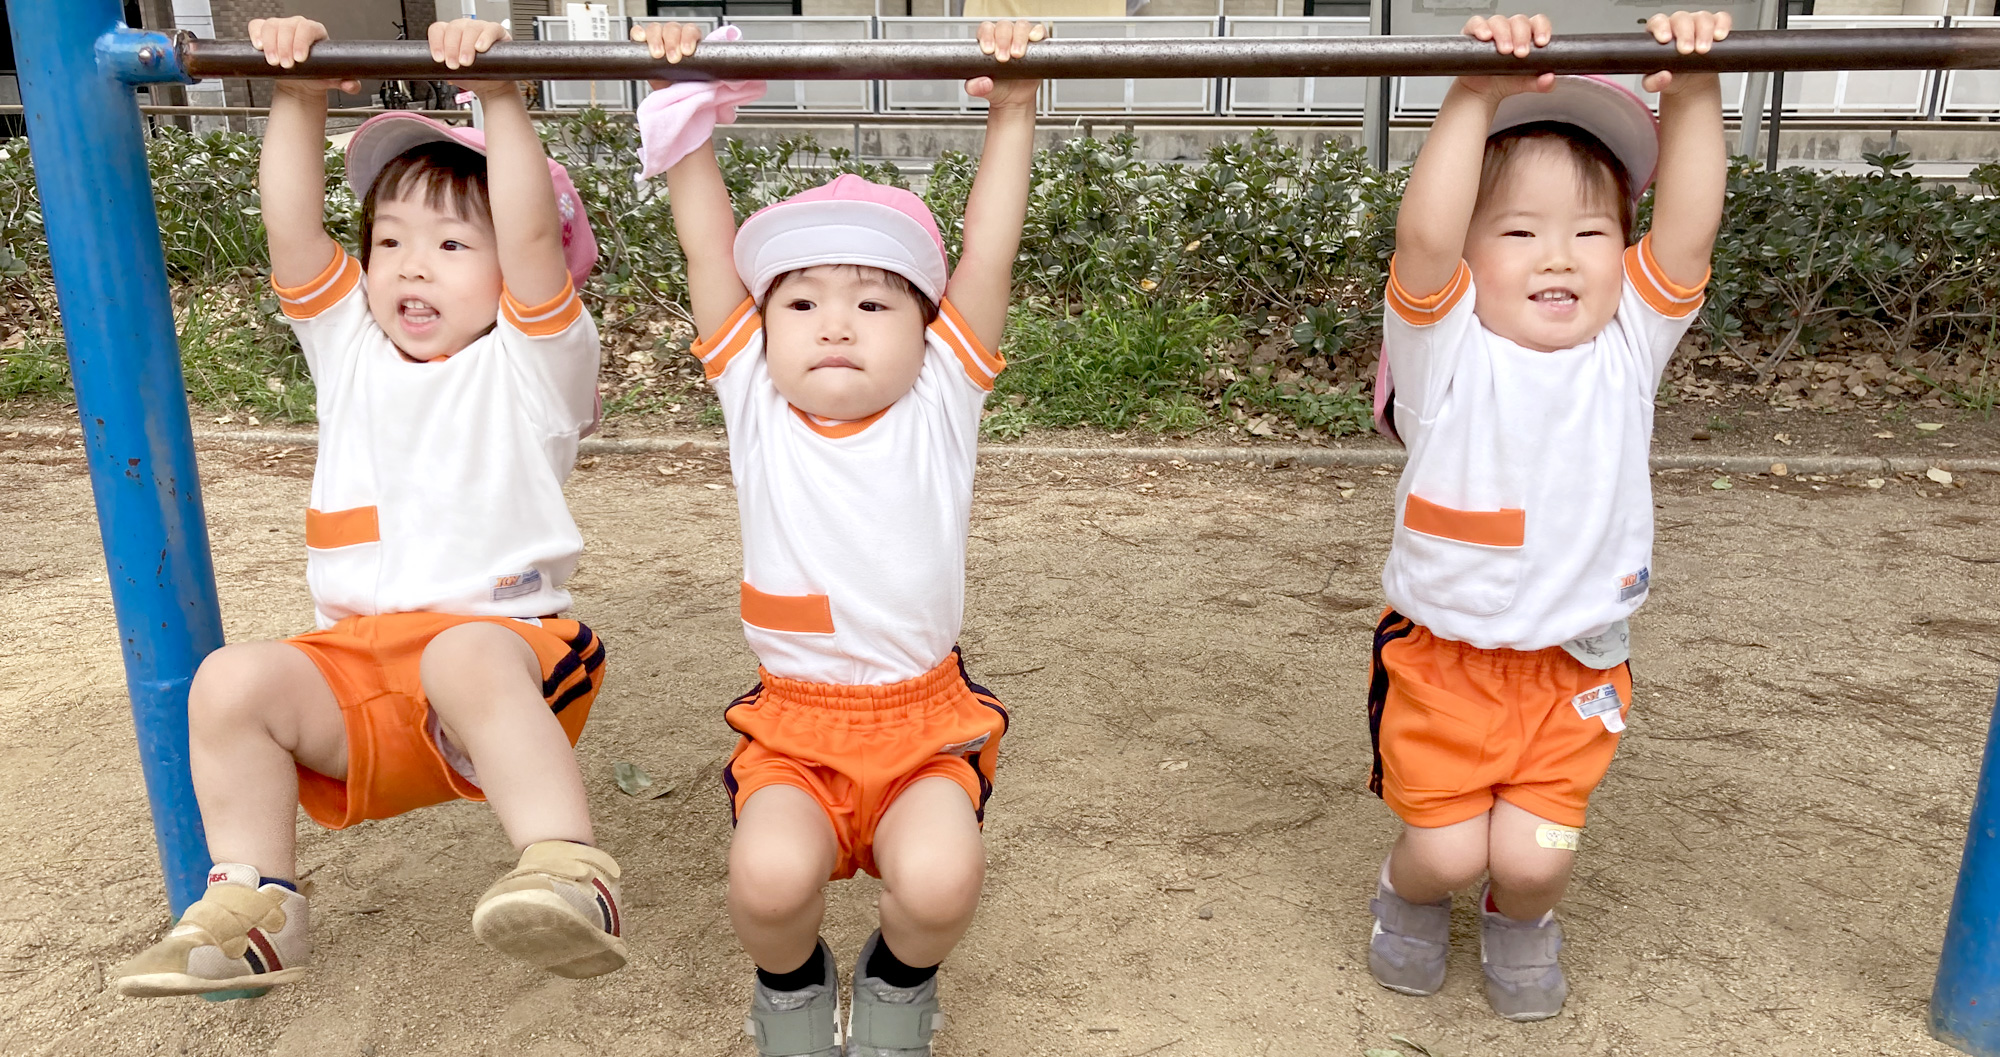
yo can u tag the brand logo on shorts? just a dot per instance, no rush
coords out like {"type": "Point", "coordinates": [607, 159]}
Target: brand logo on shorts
{"type": "Point", "coordinates": [517, 585]}
{"type": "Point", "coordinates": [965, 748]}
{"type": "Point", "coordinates": [1632, 585]}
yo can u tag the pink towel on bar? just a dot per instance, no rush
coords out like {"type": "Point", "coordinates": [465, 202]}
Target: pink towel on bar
{"type": "Point", "coordinates": [677, 119]}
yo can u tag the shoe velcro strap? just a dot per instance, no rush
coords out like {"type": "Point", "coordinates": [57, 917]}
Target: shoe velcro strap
{"type": "Point", "coordinates": [1524, 947]}
{"type": "Point", "coordinates": [791, 1032]}
{"type": "Point", "coordinates": [228, 912]}
{"type": "Point", "coordinates": [566, 859]}
{"type": "Point", "coordinates": [1430, 922]}
{"type": "Point", "coordinates": [894, 1027]}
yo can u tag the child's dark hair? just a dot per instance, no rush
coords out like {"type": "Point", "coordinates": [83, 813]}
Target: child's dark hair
{"type": "Point", "coordinates": [450, 175]}
{"type": "Point", "coordinates": [896, 280]}
{"type": "Point", "coordinates": [1598, 171]}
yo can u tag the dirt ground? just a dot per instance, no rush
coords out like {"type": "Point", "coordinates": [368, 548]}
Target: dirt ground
{"type": "Point", "coordinates": [1182, 843]}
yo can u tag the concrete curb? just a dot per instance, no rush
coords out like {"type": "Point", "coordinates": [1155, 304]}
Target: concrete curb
{"type": "Point", "coordinates": [1388, 458]}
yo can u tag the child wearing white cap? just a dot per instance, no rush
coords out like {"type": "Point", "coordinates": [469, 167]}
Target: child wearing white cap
{"type": "Point", "coordinates": [852, 369]}
{"type": "Point", "coordinates": [1524, 342]}
{"type": "Point", "coordinates": [455, 371]}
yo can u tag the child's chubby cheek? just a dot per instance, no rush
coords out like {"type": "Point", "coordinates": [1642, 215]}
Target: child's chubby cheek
{"type": "Point", "coordinates": [843, 381]}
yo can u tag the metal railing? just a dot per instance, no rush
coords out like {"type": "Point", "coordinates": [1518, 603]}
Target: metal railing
{"type": "Point", "coordinates": [1862, 94]}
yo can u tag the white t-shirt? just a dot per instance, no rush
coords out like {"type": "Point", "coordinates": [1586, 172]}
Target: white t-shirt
{"type": "Point", "coordinates": [438, 486]}
{"type": "Point", "coordinates": [853, 532]}
{"type": "Point", "coordinates": [1524, 518]}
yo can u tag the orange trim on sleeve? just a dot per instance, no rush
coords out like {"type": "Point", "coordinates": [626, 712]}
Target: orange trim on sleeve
{"type": "Point", "coordinates": [310, 298]}
{"type": "Point", "coordinates": [812, 614]}
{"type": "Point", "coordinates": [1489, 528]}
{"type": "Point", "coordinates": [328, 529]}
{"type": "Point", "coordinates": [981, 365]}
{"type": "Point", "coordinates": [1659, 291]}
{"type": "Point", "coordinates": [1423, 311]}
{"type": "Point", "coordinates": [550, 317]}
{"type": "Point", "coordinates": [716, 350]}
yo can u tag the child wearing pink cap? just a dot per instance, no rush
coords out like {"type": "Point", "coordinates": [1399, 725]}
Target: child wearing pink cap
{"type": "Point", "coordinates": [1525, 339]}
{"type": "Point", "coordinates": [455, 371]}
{"type": "Point", "coordinates": [851, 369]}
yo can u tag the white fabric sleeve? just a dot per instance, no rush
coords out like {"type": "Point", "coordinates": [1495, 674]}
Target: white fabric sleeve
{"type": "Point", "coordinates": [329, 314]}
{"type": "Point", "coordinates": [1423, 337]}
{"type": "Point", "coordinates": [1654, 312]}
{"type": "Point", "coordinates": [555, 348]}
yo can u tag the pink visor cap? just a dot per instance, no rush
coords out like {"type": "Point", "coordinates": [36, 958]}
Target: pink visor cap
{"type": "Point", "coordinates": [849, 221]}
{"type": "Point", "coordinates": [381, 138]}
{"type": "Point", "coordinates": [1600, 106]}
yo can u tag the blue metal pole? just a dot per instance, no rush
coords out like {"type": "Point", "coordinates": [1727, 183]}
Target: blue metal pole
{"type": "Point", "coordinates": [1965, 1004]}
{"type": "Point", "coordinates": [89, 150]}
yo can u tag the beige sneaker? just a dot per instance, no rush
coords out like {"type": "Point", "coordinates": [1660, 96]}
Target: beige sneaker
{"type": "Point", "coordinates": [238, 936]}
{"type": "Point", "coordinates": [557, 910]}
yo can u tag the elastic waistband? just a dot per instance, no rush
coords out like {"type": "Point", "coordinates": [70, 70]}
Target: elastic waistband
{"type": "Point", "coordinates": [1497, 659]}
{"type": "Point", "coordinates": [948, 678]}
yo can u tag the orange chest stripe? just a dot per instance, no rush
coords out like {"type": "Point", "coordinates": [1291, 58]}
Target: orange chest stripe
{"type": "Point", "coordinates": [326, 530]}
{"type": "Point", "coordinates": [812, 614]}
{"type": "Point", "coordinates": [1491, 528]}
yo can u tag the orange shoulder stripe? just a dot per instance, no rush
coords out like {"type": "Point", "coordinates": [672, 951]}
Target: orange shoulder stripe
{"type": "Point", "coordinates": [981, 365]}
{"type": "Point", "coordinates": [1490, 528]}
{"type": "Point", "coordinates": [1423, 311]}
{"type": "Point", "coordinates": [736, 332]}
{"type": "Point", "coordinates": [1659, 291]}
{"type": "Point", "coordinates": [550, 317]}
{"type": "Point", "coordinates": [310, 298]}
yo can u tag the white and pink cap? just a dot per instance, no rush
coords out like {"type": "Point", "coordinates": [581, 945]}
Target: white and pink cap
{"type": "Point", "coordinates": [1600, 106]}
{"type": "Point", "coordinates": [381, 138]}
{"type": "Point", "coordinates": [849, 221]}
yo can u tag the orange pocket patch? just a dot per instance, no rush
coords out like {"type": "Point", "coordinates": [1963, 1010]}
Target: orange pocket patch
{"type": "Point", "coordinates": [326, 530]}
{"type": "Point", "coordinates": [1490, 528]}
{"type": "Point", "coordinates": [812, 614]}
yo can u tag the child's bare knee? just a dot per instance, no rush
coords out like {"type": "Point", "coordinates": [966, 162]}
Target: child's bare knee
{"type": "Point", "coordinates": [772, 883]}
{"type": "Point", "coordinates": [236, 685]}
{"type": "Point", "coordinates": [462, 665]}
{"type": "Point", "coordinates": [936, 891]}
{"type": "Point", "coordinates": [1530, 869]}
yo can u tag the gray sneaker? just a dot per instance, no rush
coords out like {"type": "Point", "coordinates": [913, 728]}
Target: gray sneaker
{"type": "Point", "coordinates": [1523, 980]}
{"type": "Point", "coordinates": [797, 1023]}
{"type": "Point", "coordinates": [886, 1021]}
{"type": "Point", "coordinates": [1407, 949]}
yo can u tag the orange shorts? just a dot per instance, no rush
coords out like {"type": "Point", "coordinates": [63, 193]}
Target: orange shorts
{"type": "Point", "coordinates": [393, 762]}
{"type": "Point", "coordinates": [1456, 726]}
{"type": "Point", "coordinates": [856, 748]}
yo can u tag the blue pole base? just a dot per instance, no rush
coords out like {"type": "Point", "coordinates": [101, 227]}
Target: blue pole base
{"type": "Point", "coordinates": [1965, 1004]}
{"type": "Point", "coordinates": [231, 996]}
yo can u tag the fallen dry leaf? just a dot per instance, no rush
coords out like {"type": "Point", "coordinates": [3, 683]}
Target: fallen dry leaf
{"type": "Point", "coordinates": [1930, 427]}
{"type": "Point", "coordinates": [1940, 476]}
{"type": "Point", "coordinates": [1779, 469]}
{"type": "Point", "coordinates": [1886, 435]}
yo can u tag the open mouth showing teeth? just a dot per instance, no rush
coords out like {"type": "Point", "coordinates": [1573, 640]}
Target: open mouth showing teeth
{"type": "Point", "coordinates": [415, 312]}
{"type": "Point", "coordinates": [1554, 297]}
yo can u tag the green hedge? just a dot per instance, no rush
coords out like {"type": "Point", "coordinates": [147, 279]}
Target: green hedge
{"type": "Point", "coordinates": [1242, 288]}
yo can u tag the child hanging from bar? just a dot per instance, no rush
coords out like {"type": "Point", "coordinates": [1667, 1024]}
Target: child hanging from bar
{"type": "Point", "coordinates": [852, 373]}
{"type": "Point", "coordinates": [456, 371]}
{"type": "Point", "coordinates": [1524, 341]}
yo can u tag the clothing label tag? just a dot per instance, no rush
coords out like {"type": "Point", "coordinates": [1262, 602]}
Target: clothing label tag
{"type": "Point", "coordinates": [965, 748]}
{"type": "Point", "coordinates": [517, 585]}
{"type": "Point", "coordinates": [1602, 703]}
{"type": "Point", "coordinates": [1632, 585]}
{"type": "Point", "coordinates": [1558, 838]}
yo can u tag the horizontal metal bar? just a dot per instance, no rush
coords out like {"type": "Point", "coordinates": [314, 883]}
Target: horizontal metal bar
{"type": "Point", "coordinates": [1748, 50]}
{"type": "Point", "coordinates": [843, 119]}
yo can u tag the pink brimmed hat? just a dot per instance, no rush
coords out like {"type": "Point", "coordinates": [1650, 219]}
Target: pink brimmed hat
{"type": "Point", "coordinates": [849, 221]}
{"type": "Point", "coordinates": [1600, 106]}
{"type": "Point", "coordinates": [381, 138]}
